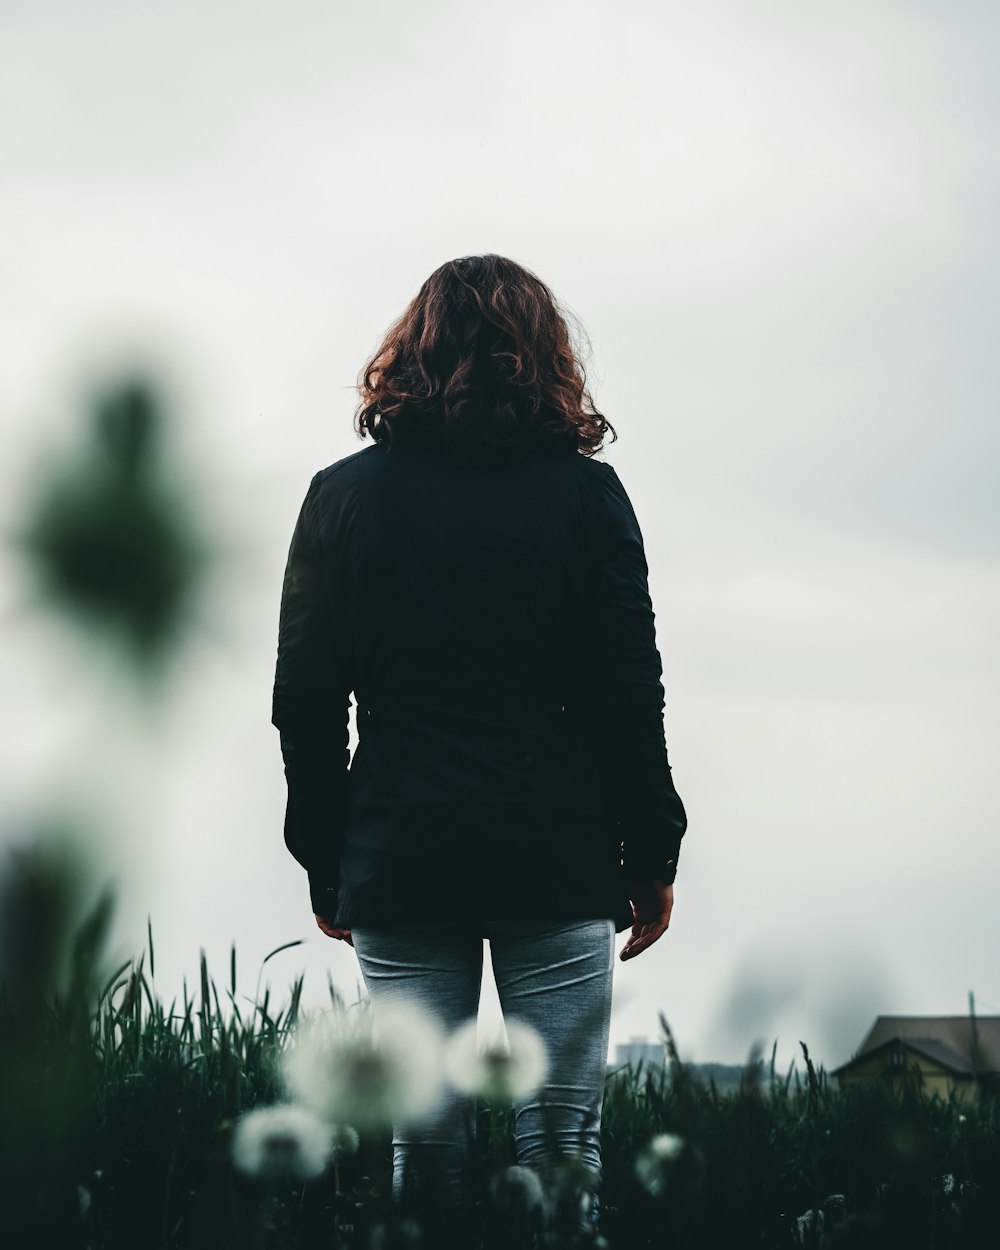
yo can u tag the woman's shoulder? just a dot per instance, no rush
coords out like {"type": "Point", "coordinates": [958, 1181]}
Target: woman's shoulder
{"type": "Point", "coordinates": [349, 465]}
{"type": "Point", "coordinates": [586, 469]}
{"type": "Point", "coordinates": [376, 461]}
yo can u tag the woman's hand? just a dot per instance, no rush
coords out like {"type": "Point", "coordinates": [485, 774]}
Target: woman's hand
{"type": "Point", "coordinates": [342, 935]}
{"type": "Point", "coordinates": [652, 903]}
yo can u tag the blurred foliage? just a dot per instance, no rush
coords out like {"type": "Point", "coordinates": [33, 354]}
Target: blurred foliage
{"type": "Point", "coordinates": [112, 535]}
{"type": "Point", "coordinates": [49, 1069]}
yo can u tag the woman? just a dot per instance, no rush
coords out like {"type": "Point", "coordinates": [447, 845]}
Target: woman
{"type": "Point", "coordinates": [478, 581]}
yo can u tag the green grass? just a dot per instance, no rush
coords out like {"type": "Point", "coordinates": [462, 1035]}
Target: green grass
{"type": "Point", "coordinates": [117, 1113]}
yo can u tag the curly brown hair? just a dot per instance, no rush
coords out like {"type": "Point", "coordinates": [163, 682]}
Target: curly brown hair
{"type": "Point", "coordinates": [480, 362]}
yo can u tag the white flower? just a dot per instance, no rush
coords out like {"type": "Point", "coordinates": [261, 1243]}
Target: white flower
{"type": "Point", "coordinates": [281, 1141]}
{"type": "Point", "coordinates": [345, 1142]}
{"type": "Point", "coordinates": [666, 1147]}
{"type": "Point", "coordinates": [519, 1189]}
{"type": "Point", "coordinates": [497, 1071]}
{"type": "Point", "coordinates": [654, 1163]}
{"type": "Point", "coordinates": [368, 1079]}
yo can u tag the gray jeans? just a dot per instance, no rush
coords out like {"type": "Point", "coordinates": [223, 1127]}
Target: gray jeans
{"type": "Point", "coordinates": [557, 977]}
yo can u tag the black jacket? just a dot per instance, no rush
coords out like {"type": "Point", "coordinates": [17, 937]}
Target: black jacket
{"type": "Point", "coordinates": [495, 627]}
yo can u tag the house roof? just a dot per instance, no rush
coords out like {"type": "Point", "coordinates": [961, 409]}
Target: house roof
{"type": "Point", "coordinates": [931, 1049]}
{"type": "Point", "coordinates": [947, 1040]}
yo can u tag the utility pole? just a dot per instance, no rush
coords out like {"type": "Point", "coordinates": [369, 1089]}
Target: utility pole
{"type": "Point", "coordinates": [975, 1038]}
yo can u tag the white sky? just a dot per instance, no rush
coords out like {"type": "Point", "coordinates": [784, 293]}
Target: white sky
{"type": "Point", "coordinates": [777, 222]}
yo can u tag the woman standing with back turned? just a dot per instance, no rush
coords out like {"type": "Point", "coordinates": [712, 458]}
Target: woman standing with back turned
{"type": "Point", "coordinates": [479, 583]}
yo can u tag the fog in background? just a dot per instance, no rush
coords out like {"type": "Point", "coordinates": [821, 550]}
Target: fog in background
{"type": "Point", "coordinates": [777, 223]}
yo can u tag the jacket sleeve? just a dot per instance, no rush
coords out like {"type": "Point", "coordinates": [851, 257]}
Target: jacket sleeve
{"type": "Point", "coordinates": [627, 691]}
{"type": "Point", "coordinates": [310, 709]}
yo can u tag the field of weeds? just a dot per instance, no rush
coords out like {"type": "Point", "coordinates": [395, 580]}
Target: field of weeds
{"type": "Point", "coordinates": [126, 1122]}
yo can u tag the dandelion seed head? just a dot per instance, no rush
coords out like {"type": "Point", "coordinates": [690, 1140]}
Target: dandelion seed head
{"type": "Point", "coordinates": [368, 1077]}
{"type": "Point", "coordinates": [653, 1164]}
{"type": "Point", "coordinates": [272, 1143]}
{"type": "Point", "coordinates": [666, 1147]}
{"type": "Point", "coordinates": [497, 1071]}
{"type": "Point", "coordinates": [519, 1189]}
{"type": "Point", "coordinates": [344, 1141]}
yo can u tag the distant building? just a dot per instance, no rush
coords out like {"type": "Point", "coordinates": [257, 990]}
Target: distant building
{"type": "Point", "coordinates": [638, 1050]}
{"type": "Point", "coordinates": [727, 1077]}
{"type": "Point", "coordinates": [943, 1055]}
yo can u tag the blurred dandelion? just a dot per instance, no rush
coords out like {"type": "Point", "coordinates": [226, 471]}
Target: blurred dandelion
{"type": "Point", "coordinates": [654, 1165]}
{"type": "Point", "coordinates": [272, 1143]}
{"type": "Point", "coordinates": [518, 1189]}
{"type": "Point", "coordinates": [368, 1079]}
{"type": "Point", "coordinates": [344, 1142]}
{"type": "Point", "coordinates": [518, 1210]}
{"type": "Point", "coordinates": [497, 1071]}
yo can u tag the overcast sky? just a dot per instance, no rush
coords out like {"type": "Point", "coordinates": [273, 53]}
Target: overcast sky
{"type": "Point", "coordinates": [777, 222]}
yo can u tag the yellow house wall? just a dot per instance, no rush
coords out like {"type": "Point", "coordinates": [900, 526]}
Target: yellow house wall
{"type": "Point", "coordinates": [934, 1080]}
